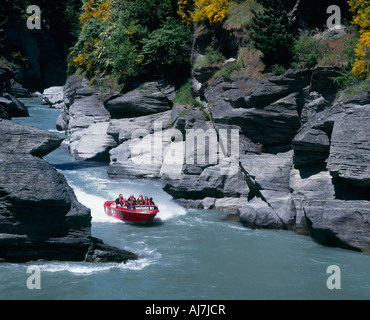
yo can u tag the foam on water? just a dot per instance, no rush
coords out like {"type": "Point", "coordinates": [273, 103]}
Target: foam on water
{"type": "Point", "coordinates": [95, 204]}
{"type": "Point", "coordinates": [83, 268]}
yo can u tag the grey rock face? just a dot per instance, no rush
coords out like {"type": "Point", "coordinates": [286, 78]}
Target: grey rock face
{"type": "Point", "coordinates": [350, 146]}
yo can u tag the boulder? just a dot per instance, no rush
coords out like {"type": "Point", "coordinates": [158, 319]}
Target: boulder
{"type": "Point", "coordinates": [144, 100]}
{"type": "Point", "coordinates": [266, 111]}
{"type": "Point", "coordinates": [11, 107]}
{"type": "Point", "coordinates": [86, 115]}
{"type": "Point", "coordinates": [21, 139]}
{"type": "Point", "coordinates": [350, 146]}
{"type": "Point", "coordinates": [53, 95]}
{"type": "Point", "coordinates": [338, 223]}
{"type": "Point", "coordinates": [123, 129]}
{"type": "Point", "coordinates": [257, 214]}
{"type": "Point", "coordinates": [17, 90]}
{"type": "Point", "coordinates": [94, 142]}
{"type": "Point", "coordinates": [138, 157]}
{"type": "Point", "coordinates": [311, 147]}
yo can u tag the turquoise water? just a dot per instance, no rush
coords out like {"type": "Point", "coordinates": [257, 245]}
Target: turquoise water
{"type": "Point", "coordinates": [185, 254]}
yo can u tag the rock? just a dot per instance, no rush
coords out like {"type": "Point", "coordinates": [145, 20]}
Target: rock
{"type": "Point", "coordinates": [229, 205]}
{"type": "Point", "coordinates": [311, 147]}
{"type": "Point", "coordinates": [18, 107]}
{"type": "Point", "coordinates": [315, 103]}
{"type": "Point", "coordinates": [53, 95]}
{"type": "Point", "coordinates": [268, 171]}
{"type": "Point", "coordinates": [11, 107]}
{"type": "Point", "coordinates": [339, 223]}
{"type": "Point", "coordinates": [266, 111]}
{"type": "Point", "coordinates": [312, 143]}
{"type": "Point", "coordinates": [144, 100]}
{"type": "Point", "coordinates": [138, 158]}
{"type": "Point", "coordinates": [5, 108]}
{"type": "Point", "coordinates": [308, 184]}
{"type": "Point", "coordinates": [21, 139]}
{"type": "Point", "coordinates": [100, 252]}
{"type": "Point", "coordinates": [17, 90]}
{"type": "Point", "coordinates": [61, 124]}
{"type": "Point", "coordinates": [200, 76]}
{"type": "Point", "coordinates": [123, 129]}
{"type": "Point", "coordinates": [322, 82]}
{"type": "Point", "coordinates": [85, 115]}
{"type": "Point", "coordinates": [94, 142]}
{"type": "Point", "coordinates": [361, 99]}
{"type": "Point", "coordinates": [40, 217]}
{"type": "Point", "coordinates": [350, 146]}
{"type": "Point", "coordinates": [257, 214]}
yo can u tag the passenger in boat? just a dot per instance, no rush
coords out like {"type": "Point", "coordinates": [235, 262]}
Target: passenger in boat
{"type": "Point", "coordinates": [124, 202]}
{"type": "Point", "coordinates": [151, 202]}
{"type": "Point", "coordinates": [146, 199]}
{"type": "Point", "coordinates": [119, 200]}
{"type": "Point", "coordinates": [131, 202]}
{"type": "Point", "coordinates": [140, 200]}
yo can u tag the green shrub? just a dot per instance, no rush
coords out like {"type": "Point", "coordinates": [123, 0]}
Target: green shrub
{"type": "Point", "coordinates": [165, 48]}
{"type": "Point", "coordinates": [307, 52]}
{"type": "Point", "coordinates": [278, 70]}
{"type": "Point", "coordinates": [213, 56]}
{"type": "Point", "coordinates": [184, 95]}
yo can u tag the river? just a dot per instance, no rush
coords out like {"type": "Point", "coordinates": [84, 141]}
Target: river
{"type": "Point", "coordinates": [186, 254]}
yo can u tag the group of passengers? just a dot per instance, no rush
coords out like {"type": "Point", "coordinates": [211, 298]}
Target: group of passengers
{"type": "Point", "coordinates": [132, 201]}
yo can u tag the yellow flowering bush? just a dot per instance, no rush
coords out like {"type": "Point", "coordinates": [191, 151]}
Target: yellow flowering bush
{"type": "Point", "coordinates": [361, 11]}
{"type": "Point", "coordinates": [212, 11]}
{"type": "Point", "coordinates": [79, 60]}
{"type": "Point", "coordinates": [96, 9]}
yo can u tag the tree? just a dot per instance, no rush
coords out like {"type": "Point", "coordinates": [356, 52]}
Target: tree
{"type": "Point", "coordinates": [273, 33]}
{"type": "Point", "coordinates": [165, 50]}
{"type": "Point", "coordinates": [361, 18]}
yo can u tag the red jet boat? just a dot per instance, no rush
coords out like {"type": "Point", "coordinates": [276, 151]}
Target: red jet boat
{"type": "Point", "coordinates": [142, 213]}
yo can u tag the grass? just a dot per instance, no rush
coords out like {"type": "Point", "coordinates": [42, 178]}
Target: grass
{"type": "Point", "coordinates": [184, 97]}
{"type": "Point", "coordinates": [241, 14]}
{"type": "Point", "coordinates": [355, 88]}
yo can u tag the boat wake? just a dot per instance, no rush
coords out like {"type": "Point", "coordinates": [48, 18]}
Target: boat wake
{"type": "Point", "coordinates": [95, 204]}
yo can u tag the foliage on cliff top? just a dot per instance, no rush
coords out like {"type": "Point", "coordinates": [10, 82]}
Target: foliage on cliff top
{"type": "Point", "coordinates": [361, 11]}
{"type": "Point", "coordinates": [125, 38]}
